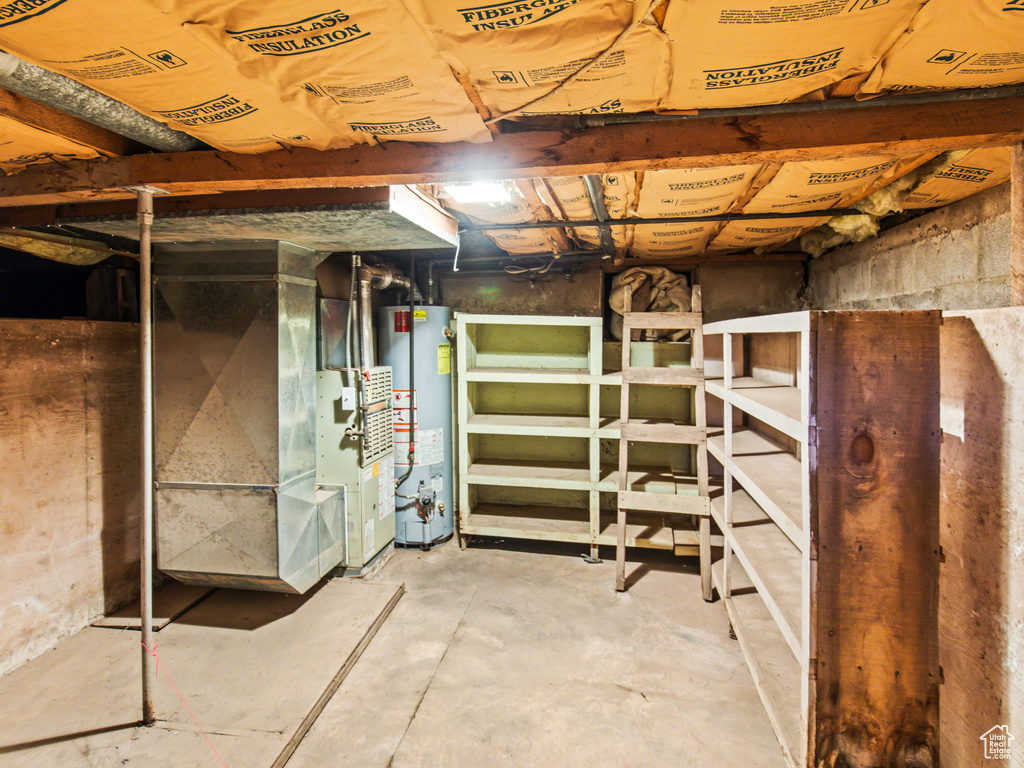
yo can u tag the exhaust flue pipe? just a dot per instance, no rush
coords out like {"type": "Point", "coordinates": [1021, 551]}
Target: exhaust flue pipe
{"type": "Point", "coordinates": [374, 278]}
{"type": "Point", "coordinates": [75, 99]}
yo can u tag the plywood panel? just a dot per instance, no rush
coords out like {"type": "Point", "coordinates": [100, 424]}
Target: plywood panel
{"type": "Point", "coordinates": [877, 477]}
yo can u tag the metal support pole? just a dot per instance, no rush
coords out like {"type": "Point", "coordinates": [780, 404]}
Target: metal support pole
{"type": "Point", "coordinates": [1017, 226]}
{"type": "Point", "coordinates": [635, 220]}
{"type": "Point", "coordinates": [597, 202]}
{"type": "Point", "coordinates": [144, 196]}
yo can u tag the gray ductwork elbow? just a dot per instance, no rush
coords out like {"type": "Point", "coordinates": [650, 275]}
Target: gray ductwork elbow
{"type": "Point", "coordinates": [382, 277]}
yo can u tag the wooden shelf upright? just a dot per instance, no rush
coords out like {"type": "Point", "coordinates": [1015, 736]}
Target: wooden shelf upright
{"type": "Point", "coordinates": [664, 431]}
{"type": "Point", "coordinates": [830, 514]}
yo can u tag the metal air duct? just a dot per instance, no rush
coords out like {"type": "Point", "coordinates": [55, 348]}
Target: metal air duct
{"type": "Point", "coordinates": [235, 442]}
{"type": "Point", "coordinates": [72, 97]}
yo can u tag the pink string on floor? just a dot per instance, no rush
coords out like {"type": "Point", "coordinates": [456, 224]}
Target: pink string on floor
{"type": "Point", "coordinates": [159, 667]}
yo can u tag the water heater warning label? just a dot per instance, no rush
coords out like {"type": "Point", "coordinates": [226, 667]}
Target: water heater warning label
{"type": "Point", "coordinates": [402, 319]}
{"type": "Point", "coordinates": [430, 449]}
{"type": "Point", "coordinates": [444, 359]}
{"type": "Point", "coordinates": [386, 488]}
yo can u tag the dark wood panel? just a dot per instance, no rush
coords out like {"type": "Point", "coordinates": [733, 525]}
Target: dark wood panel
{"type": "Point", "coordinates": [876, 382]}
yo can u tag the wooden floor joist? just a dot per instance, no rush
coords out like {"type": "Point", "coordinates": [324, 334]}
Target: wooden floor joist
{"type": "Point", "coordinates": [705, 142]}
{"type": "Point", "coordinates": [46, 118]}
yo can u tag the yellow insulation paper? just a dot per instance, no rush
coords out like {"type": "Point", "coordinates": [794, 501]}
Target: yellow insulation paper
{"type": "Point", "coordinates": [137, 54]}
{"type": "Point", "coordinates": [368, 69]}
{"type": "Point", "coordinates": [956, 44]}
{"type": "Point", "coordinates": [977, 170]}
{"type": "Point", "coordinates": [567, 197]}
{"type": "Point", "coordinates": [686, 192]}
{"type": "Point", "coordinates": [821, 184]}
{"type": "Point", "coordinates": [516, 51]}
{"type": "Point", "coordinates": [729, 53]}
{"type": "Point", "coordinates": [752, 235]}
{"type": "Point", "coordinates": [22, 145]}
{"type": "Point", "coordinates": [516, 211]}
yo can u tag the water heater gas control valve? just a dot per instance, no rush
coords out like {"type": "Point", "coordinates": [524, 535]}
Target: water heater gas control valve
{"type": "Point", "coordinates": [426, 497]}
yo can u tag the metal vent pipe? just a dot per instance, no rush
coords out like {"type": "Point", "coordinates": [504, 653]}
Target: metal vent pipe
{"type": "Point", "coordinates": [370, 278]}
{"type": "Point", "coordinates": [75, 99]}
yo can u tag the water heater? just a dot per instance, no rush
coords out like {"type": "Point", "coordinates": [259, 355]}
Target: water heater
{"type": "Point", "coordinates": [424, 503]}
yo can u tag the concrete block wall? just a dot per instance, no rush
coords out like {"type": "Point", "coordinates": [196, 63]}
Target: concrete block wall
{"type": "Point", "coordinates": [728, 291]}
{"type": "Point", "coordinates": [69, 494]}
{"type": "Point", "coordinates": [957, 257]}
{"type": "Point", "coordinates": [744, 290]}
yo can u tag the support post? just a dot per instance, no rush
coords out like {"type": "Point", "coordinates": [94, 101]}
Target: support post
{"type": "Point", "coordinates": [595, 191]}
{"type": "Point", "coordinates": [1017, 226]}
{"type": "Point", "coordinates": [144, 197]}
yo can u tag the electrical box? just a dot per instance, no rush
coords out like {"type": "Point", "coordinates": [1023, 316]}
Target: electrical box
{"type": "Point", "coordinates": [361, 461]}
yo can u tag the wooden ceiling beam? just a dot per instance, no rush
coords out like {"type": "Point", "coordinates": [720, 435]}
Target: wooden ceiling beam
{"type": "Point", "coordinates": [705, 142]}
{"type": "Point", "coordinates": [51, 120]}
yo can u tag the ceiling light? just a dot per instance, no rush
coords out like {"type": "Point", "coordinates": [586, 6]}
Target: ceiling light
{"type": "Point", "coordinates": [478, 192]}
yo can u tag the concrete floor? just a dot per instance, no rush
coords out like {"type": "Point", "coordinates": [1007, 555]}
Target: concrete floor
{"type": "Point", "coordinates": [493, 658]}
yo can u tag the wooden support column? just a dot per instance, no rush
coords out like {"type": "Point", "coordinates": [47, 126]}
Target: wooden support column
{"type": "Point", "coordinates": [1017, 226]}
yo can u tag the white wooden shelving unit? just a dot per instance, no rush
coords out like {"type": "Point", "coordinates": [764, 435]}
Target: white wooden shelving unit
{"type": "Point", "coordinates": [829, 510]}
{"type": "Point", "coordinates": [538, 428]}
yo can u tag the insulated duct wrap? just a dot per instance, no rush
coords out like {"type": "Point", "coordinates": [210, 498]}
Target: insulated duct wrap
{"type": "Point", "coordinates": [135, 53]}
{"type": "Point", "coordinates": [71, 97]}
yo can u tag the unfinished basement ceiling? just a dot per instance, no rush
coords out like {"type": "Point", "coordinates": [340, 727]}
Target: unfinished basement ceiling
{"type": "Point", "coordinates": [256, 77]}
{"type": "Point", "coordinates": [872, 186]}
{"type": "Point", "coordinates": [249, 76]}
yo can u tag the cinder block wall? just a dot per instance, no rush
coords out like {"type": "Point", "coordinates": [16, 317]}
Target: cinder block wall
{"type": "Point", "coordinates": [728, 291]}
{"type": "Point", "coordinates": [69, 494]}
{"type": "Point", "coordinates": [957, 257]}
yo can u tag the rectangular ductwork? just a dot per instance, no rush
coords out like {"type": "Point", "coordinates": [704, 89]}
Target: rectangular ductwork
{"type": "Point", "coordinates": [234, 402]}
